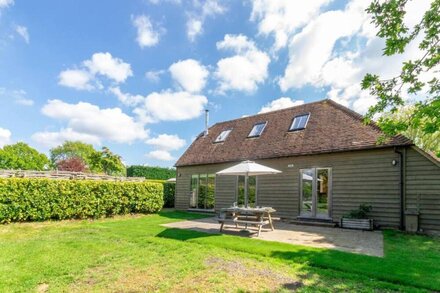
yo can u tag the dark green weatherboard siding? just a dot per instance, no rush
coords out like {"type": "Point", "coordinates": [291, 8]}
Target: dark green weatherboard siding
{"type": "Point", "coordinates": [358, 177]}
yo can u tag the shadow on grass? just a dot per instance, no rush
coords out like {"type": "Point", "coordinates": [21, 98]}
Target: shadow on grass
{"type": "Point", "coordinates": [180, 215]}
{"type": "Point", "coordinates": [392, 270]}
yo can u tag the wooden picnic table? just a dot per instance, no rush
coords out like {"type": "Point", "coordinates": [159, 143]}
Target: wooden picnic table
{"type": "Point", "coordinates": [258, 217]}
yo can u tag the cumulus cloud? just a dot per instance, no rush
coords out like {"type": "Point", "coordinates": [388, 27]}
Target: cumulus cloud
{"type": "Point", "coordinates": [154, 75]}
{"type": "Point", "coordinates": [99, 65]}
{"type": "Point", "coordinates": [170, 106]}
{"type": "Point", "coordinates": [76, 78]}
{"type": "Point", "coordinates": [147, 34]}
{"type": "Point", "coordinates": [283, 18]}
{"type": "Point", "coordinates": [126, 98]}
{"type": "Point", "coordinates": [189, 74]}
{"type": "Point", "coordinates": [107, 65]}
{"type": "Point", "coordinates": [246, 69]}
{"type": "Point", "coordinates": [22, 31]}
{"type": "Point", "coordinates": [167, 142]}
{"type": "Point", "coordinates": [5, 137]}
{"type": "Point", "coordinates": [6, 3]}
{"type": "Point", "coordinates": [90, 123]}
{"type": "Point", "coordinates": [19, 96]}
{"type": "Point", "coordinates": [196, 18]}
{"type": "Point", "coordinates": [54, 138]}
{"type": "Point", "coordinates": [160, 155]}
{"type": "Point", "coordinates": [281, 103]}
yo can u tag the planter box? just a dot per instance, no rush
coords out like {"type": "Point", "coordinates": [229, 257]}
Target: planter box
{"type": "Point", "coordinates": [359, 224]}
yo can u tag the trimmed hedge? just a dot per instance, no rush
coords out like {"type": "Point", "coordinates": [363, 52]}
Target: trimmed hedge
{"type": "Point", "coordinates": [31, 199]}
{"type": "Point", "coordinates": [169, 190]}
{"type": "Point", "coordinates": [151, 172]}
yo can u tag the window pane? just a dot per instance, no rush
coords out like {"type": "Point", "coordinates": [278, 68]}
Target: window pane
{"type": "Point", "coordinates": [257, 129]}
{"type": "Point", "coordinates": [223, 135]}
{"type": "Point", "coordinates": [194, 191]}
{"type": "Point", "coordinates": [307, 177]}
{"type": "Point", "coordinates": [299, 122]}
{"type": "Point", "coordinates": [203, 192]}
{"type": "Point", "coordinates": [210, 197]}
{"type": "Point", "coordinates": [322, 192]}
{"type": "Point", "coordinates": [252, 191]}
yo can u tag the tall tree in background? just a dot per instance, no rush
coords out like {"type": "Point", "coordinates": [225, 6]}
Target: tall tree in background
{"type": "Point", "coordinates": [21, 156]}
{"type": "Point", "coordinates": [75, 149]}
{"type": "Point", "coordinates": [109, 162]}
{"type": "Point", "coordinates": [388, 16]}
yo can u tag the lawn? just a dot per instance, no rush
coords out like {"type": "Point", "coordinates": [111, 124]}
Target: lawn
{"type": "Point", "coordinates": [137, 254]}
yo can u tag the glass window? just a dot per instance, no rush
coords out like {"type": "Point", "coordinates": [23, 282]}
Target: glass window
{"type": "Point", "coordinates": [299, 122]}
{"type": "Point", "coordinates": [202, 195]}
{"type": "Point", "coordinates": [223, 135]}
{"type": "Point", "coordinates": [257, 130]}
{"type": "Point", "coordinates": [252, 191]}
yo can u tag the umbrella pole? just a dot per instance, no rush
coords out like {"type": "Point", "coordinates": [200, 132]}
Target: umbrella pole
{"type": "Point", "coordinates": [246, 182]}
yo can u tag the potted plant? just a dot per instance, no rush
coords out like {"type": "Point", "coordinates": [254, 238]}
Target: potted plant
{"type": "Point", "coordinates": [358, 219]}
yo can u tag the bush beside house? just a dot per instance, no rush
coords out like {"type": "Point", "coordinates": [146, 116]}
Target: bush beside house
{"type": "Point", "coordinates": [169, 190]}
{"type": "Point", "coordinates": [151, 172]}
{"type": "Point", "coordinates": [25, 199]}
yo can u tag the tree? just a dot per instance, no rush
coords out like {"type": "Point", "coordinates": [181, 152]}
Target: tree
{"type": "Point", "coordinates": [109, 162]}
{"type": "Point", "coordinates": [388, 16]}
{"type": "Point", "coordinates": [73, 164]}
{"type": "Point", "coordinates": [75, 149]}
{"type": "Point", "coordinates": [21, 156]}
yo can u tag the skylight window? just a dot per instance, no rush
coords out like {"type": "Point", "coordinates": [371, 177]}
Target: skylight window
{"type": "Point", "coordinates": [299, 122]}
{"type": "Point", "coordinates": [223, 135]}
{"type": "Point", "coordinates": [257, 130]}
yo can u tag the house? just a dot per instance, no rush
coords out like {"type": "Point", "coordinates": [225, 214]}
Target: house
{"type": "Point", "coordinates": [331, 162]}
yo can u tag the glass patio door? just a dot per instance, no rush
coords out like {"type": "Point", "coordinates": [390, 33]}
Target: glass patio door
{"type": "Point", "coordinates": [315, 192]}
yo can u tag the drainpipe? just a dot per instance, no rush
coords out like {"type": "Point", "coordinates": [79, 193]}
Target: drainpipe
{"type": "Point", "coordinates": [402, 207]}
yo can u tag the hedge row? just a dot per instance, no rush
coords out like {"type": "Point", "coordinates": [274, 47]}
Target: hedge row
{"type": "Point", "coordinates": [151, 172]}
{"type": "Point", "coordinates": [25, 199]}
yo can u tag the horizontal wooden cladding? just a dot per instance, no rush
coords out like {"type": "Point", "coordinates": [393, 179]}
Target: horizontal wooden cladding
{"type": "Point", "coordinates": [423, 189]}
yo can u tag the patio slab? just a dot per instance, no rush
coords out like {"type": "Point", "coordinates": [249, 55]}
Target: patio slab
{"type": "Point", "coordinates": [354, 241]}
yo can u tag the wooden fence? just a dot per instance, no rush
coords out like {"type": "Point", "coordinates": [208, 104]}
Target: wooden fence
{"type": "Point", "coordinates": [65, 175]}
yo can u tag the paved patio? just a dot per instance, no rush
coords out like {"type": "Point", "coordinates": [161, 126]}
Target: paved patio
{"type": "Point", "coordinates": [363, 242]}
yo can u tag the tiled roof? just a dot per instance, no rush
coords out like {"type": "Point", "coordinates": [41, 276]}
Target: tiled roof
{"type": "Point", "coordinates": [331, 128]}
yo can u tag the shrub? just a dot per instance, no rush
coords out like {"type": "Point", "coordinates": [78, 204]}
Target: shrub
{"type": "Point", "coordinates": [74, 164]}
{"type": "Point", "coordinates": [31, 199]}
{"type": "Point", "coordinates": [151, 172]}
{"type": "Point", "coordinates": [360, 213]}
{"type": "Point", "coordinates": [169, 190]}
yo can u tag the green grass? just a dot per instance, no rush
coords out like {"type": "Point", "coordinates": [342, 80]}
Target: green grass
{"type": "Point", "coordinates": [137, 254]}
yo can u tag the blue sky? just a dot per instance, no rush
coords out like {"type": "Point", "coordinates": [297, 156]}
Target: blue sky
{"type": "Point", "coordinates": [136, 75]}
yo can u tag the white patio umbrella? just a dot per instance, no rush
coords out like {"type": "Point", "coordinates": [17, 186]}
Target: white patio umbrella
{"type": "Point", "coordinates": [246, 169]}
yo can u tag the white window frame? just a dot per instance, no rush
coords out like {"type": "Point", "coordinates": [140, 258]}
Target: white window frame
{"type": "Point", "coordinates": [217, 140]}
{"type": "Point", "coordinates": [262, 130]}
{"type": "Point", "coordinates": [294, 119]}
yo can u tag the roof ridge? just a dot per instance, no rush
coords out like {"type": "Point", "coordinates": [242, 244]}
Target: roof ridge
{"type": "Point", "coordinates": [269, 112]}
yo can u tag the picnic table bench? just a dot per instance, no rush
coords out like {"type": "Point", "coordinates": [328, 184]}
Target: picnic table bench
{"type": "Point", "coordinates": [258, 217]}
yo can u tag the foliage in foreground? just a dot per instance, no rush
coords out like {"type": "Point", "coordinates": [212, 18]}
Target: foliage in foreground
{"type": "Point", "coordinates": [150, 172]}
{"type": "Point", "coordinates": [20, 156]}
{"type": "Point", "coordinates": [418, 78]}
{"type": "Point", "coordinates": [44, 199]}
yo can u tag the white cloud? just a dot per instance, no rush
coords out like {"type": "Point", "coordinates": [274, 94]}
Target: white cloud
{"type": "Point", "coordinates": [196, 19]}
{"type": "Point", "coordinates": [154, 75]}
{"type": "Point", "coordinates": [243, 71]}
{"type": "Point", "coordinates": [189, 74]}
{"type": "Point", "coordinates": [6, 3]}
{"type": "Point", "coordinates": [170, 106]}
{"type": "Point", "coordinates": [281, 103]}
{"type": "Point", "coordinates": [75, 78]}
{"type": "Point", "coordinates": [22, 31]}
{"type": "Point", "coordinates": [100, 64]}
{"type": "Point", "coordinates": [282, 18]}
{"type": "Point", "coordinates": [19, 96]}
{"type": "Point", "coordinates": [167, 142]}
{"type": "Point", "coordinates": [125, 98]}
{"type": "Point", "coordinates": [106, 65]}
{"type": "Point", "coordinates": [147, 35]}
{"type": "Point", "coordinates": [55, 138]}
{"type": "Point", "coordinates": [5, 136]}
{"type": "Point", "coordinates": [160, 155]}
{"type": "Point", "coordinates": [24, 101]}
{"type": "Point", "coordinates": [91, 123]}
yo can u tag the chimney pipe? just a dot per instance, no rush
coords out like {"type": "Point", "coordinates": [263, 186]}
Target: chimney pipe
{"type": "Point", "coordinates": [206, 121]}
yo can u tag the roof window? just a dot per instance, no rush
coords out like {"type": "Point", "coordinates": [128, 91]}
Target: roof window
{"type": "Point", "coordinates": [299, 122]}
{"type": "Point", "coordinates": [257, 130]}
{"type": "Point", "coordinates": [223, 135]}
